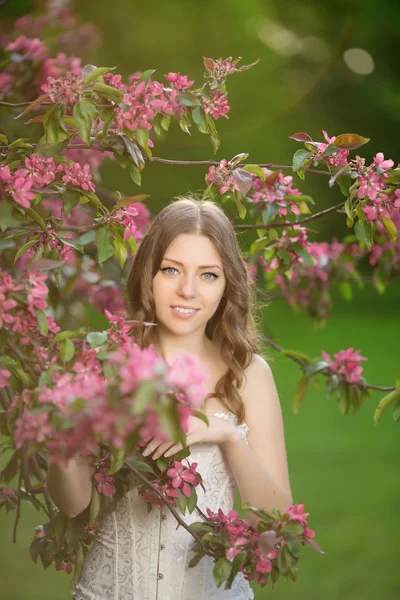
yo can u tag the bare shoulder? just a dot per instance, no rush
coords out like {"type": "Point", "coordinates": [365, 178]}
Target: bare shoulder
{"type": "Point", "coordinates": [263, 415]}
{"type": "Point", "coordinates": [255, 375]}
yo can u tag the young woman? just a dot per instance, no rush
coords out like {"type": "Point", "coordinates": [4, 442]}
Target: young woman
{"type": "Point", "coordinates": [189, 277]}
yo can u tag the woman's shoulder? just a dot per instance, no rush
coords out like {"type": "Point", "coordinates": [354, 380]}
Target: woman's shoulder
{"type": "Point", "coordinates": [254, 376]}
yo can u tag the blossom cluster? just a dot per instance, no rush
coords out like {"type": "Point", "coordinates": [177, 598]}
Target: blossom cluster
{"type": "Point", "coordinates": [177, 478]}
{"type": "Point", "coordinates": [40, 171]}
{"type": "Point", "coordinates": [308, 284]}
{"type": "Point", "coordinates": [19, 317]}
{"type": "Point", "coordinates": [80, 377]}
{"type": "Point", "coordinates": [347, 364]}
{"type": "Point", "coordinates": [105, 484]}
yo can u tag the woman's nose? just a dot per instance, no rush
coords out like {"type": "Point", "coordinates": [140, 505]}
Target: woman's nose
{"type": "Point", "coordinates": [187, 287]}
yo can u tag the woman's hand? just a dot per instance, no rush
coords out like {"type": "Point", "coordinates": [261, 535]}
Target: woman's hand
{"type": "Point", "coordinates": [218, 431]}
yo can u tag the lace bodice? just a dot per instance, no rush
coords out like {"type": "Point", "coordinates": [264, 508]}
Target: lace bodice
{"type": "Point", "coordinates": [138, 555]}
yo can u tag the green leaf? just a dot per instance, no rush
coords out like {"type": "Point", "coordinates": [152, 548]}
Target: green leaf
{"type": "Point", "coordinates": [132, 244]}
{"type": "Point", "coordinates": [187, 99]}
{"type": "Point", "coordinates": [300, 156]}
{"type": "Point", "coordinates": [63, 335]}
{"type": "Point", "coordinates": [199, 117]}
{"type": "Point", "coordinates": [106, 91]}
{"type": "Point", "coordinates": [73, 244]}
{"type": "Point", "coordinates": [36, 217]}
{"type": "Point", "coordinates": [6, 218]}
{"type": "Point", "coordinates": [196, 559]}
{"type": "Point", "coordinates": [97, 338]}
{"type": "Point", "coordinates": [70, 199]}
{"type": "Point", "coordinates": [364, 232]}
{"type": "Point", "coordinates": [390, 228]}
{"type": "Point", "coordinates": [67, 350]}
{"type": "Point", "coordinates": [104, 243]}
{"type": "Point", "coordinates": [95, 503]}
{"type": "Point", "coordinates": [221, 571]}
{"type": "Point", "coordinates": [241, 208]}
{"type": "Point", "coordinates": [79, 562]}
{"type": "Point", "coordinates": [192, 500]}
{"type": "Point", "coordinates": [256, 170]}
{"type": "Point", "coordinates": [60, 526]}
{"type": "Point", "coordinates": [42, 321]}
{"type": "Point", "coordinates": [147, 74]}
{"type": "Point", "coordinates": [166, 122]}
{"type": "Point", "coordinates": [51, 123]}
{"type": "Point", "coordinates": [181, 502]}
{"type": "Point", "coordinates": [36, 547]}
{"type": "Point", "coordinates": [84, 113]}
{"type": "Point", "coordinates": [121, 250]}
{"type": "Point", "coordinates": [301, 251]}
{"type": "Point", "coordinates": [3, 139]}
{"type": "Point", "coordinates": [25, 247]}
{"type": "Point", "coordinates": [135, 174]}
{"type": "Point", "coordinates": [384, 403]}
{"type": "Point", "coordinates": [47, 149]}
{"type": "Point", "coordinates": [350, 141]}
{"type": "Point", "coordinates": [302, 387]}
{"type": "Point", "coordinates": [96, 73]}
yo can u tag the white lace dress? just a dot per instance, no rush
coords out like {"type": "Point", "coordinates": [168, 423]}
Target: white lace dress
{"type": "Point", "coordinates": [140, 555]}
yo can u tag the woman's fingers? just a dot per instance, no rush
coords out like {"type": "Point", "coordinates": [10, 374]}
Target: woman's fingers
{"type": "Point", "coordinates": [161, 449]}
{"type": "Point", "coordinates": [173, 450]}
{"type": "Point", "coordinates": [151, 447]}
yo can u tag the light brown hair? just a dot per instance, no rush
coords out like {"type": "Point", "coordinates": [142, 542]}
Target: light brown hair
{"type": "Point", "coordinates": [233, 325]}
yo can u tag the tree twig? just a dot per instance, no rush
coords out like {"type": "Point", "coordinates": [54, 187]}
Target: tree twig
{"type": "Point", "coordinates": [167, 502]}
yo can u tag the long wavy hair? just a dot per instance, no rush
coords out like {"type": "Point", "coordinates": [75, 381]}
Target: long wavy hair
{"type": "Point", "coordinates": [233, 325]}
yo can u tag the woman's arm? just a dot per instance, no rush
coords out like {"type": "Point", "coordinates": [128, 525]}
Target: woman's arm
{"type": "Point", "coordinates": [261, 469]}
{"type": "Point", "coordinates": [70, 488]}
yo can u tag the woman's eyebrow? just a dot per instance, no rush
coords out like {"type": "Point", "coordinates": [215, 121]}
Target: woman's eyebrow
{"type": "Point", "coordinates": [200, 267]}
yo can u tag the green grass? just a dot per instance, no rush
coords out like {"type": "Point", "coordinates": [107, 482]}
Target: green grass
{"type": "Point", "coordinates": [343, 469]}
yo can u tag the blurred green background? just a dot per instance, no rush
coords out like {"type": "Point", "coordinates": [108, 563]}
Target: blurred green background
{"type": "Point", "coordinates": [325, 66]}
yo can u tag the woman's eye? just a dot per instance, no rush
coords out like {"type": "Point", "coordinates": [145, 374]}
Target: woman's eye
{"type": "Point", "coordinates": [212, 278]}
{"type": "Point", "coordinates": [168, 269]}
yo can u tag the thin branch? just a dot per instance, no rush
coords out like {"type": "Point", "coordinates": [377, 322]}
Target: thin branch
{"type": "Point", "coordinates": [167, 502]}
{"type": "Point", "coordinates": [21, 357]}
{"type": "Point", "coordinates": [290, 223]}
{"type": "Point", "coordinates": [17, 516]}
{"type": "Point", "coordinates": [39, 475]}
{"type": "Point", "coordinates": [299, 361]}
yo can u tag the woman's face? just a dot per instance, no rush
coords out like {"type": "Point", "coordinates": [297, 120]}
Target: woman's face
{"type": "Point", "coordinates": [191, 275]}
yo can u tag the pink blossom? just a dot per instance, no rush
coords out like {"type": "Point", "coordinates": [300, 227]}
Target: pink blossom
{"type": "Point", "coordinates": [4, 375]}
{"type": "Point", "coordinates": [36, 291]}
{"type": "Point", "coordinates": [187, 373]}
{"type": "Point", "coordinates": [182, 477]}
{"type": "Point", "coordinates": [38, 169]}
{"type": "Point", "coordinates": [105, 484]}
{"type": "Point", "coordinates": [5, 174]}
{"type": "Point", "coordinates": [30, 49]}
{"type": "Point", "coordinates": [31, 427]}
{"type": "Point", "coordinates": [56, 67]}
{"type": "Point", "coordinates": [337, 158]}
{"type": "Point", "coordinates": [6, 493]}
{"type": "Point", "coordinates": [347, 363]}
{"type": "Point", "coordinates": [221, 177]}
{"type": "Point", "coordinates": [6, 82]}
{"type": "Point", "coordinates": [178, 81]}
{"type": "Point", "coordinates": [82, 178]}
{"type": "Point", "coordinates": [381, 163]}
{"type": "Point", "coordinates": [216, 105]}
{"type": "Point", "coordinates": [66, 89]}
{"type": "Point", "coordinates": [140, 365]}
{"type": "Point", "coordinates": [20, 191]}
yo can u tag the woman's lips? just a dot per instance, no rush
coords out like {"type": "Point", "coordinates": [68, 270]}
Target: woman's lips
{"type": "Point", "coordinates": [184, 315]}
